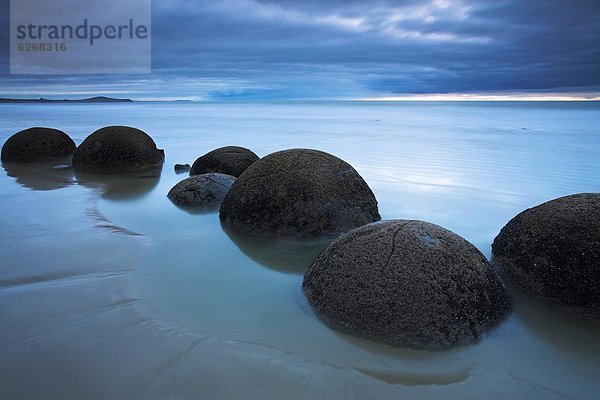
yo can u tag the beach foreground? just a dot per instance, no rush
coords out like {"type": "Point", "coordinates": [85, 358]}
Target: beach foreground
{"type": "Point", "coordinates": [107, 290]}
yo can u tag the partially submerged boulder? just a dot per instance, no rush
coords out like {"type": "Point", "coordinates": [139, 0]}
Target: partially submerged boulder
{"type": "Point", "coordinates": [115, 149]}
{"type": "Point", "coordinates": [205, 191]}
{"type": "Point", "coordinates": [37, 145]}
{"type": "Point", "coordinates": [553, 251]}
{"type": "Point", "coordinates": [230, 160]}
{"type": "Point", "coordinates": [407, 283]}
{"type": "Point", "coordinates": [299, 192]}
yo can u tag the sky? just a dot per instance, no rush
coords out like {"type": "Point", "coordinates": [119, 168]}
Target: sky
{"type": "Point", "coordinates": [348, 49]}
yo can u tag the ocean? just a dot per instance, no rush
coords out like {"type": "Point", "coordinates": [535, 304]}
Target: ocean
{"type": "Point", "coordinates": [107, 290]}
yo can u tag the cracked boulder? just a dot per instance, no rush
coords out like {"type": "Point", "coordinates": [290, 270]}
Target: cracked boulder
{"type": "Point", "coordinates": [553, 251]}
{"type": "Point", "coordinates": [204, 191]}
{"type": "Point", "coordinates": [114, 149]}
{"type": "Point", "coordinates": [407, 283]}
{"type": "Point", "coordinates": [230, 160]}
{"type": "Point", "coordinates": [37, 145]}
{"type": "Point", "coordinates": [298, 192]}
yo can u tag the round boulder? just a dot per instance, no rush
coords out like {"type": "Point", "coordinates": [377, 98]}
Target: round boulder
{"type": "Point", "coordinates": [553, 251]}
{"type": "Point", "coordinates": [37, 145]}
{"type": "Point", "coordinates": [206, 191]}
{"type": "Point", "coordinates": [407, 283]}
{"type": "Point", "coordinates": [230, 160]}
{"type": "Point", "coordinates": [299, 192]}
{"type": "Point", "coordinates": [117, 149]}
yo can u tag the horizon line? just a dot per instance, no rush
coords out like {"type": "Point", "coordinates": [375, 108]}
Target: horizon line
{"type": "Point", "coordinates": [450, 97]}
{"type": "Point", "coordinates": [485, 97]}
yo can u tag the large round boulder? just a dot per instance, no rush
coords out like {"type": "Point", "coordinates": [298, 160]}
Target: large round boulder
{"type": "Point", "coordinates": [117, 149]}
{"type": "Point", "coordinates": [553, 251]}
{"type": "Point", "coordinates": [230, 160]}
{"type": "Point", "coordinates": [36, 145]}
{"type": "Point", "coordinates": [407, 283]}
{"type": "Point", "coordinates": [299, 192]}
{"type": "Point", "coordinates": [205, 191]}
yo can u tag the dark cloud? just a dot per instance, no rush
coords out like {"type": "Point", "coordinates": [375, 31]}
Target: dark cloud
{"type": "Point", "coordinates": [341, 48]}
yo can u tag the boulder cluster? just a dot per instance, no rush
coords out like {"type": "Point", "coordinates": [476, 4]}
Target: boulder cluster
{"type": "Point", "coordinates": [405, 283]}
{"type": "Point", "coordinates": [108, 150]}
{"type": "Point", "coordinates": [400, 282]}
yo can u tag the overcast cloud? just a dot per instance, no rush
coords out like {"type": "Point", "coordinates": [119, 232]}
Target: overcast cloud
{"type": "Point", "coordinates": [348, 49]}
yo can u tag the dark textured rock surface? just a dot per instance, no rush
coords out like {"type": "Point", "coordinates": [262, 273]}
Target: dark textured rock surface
{"type": "Point", "coordinates": [230, 160]}
{"type": "Point", "coordinates": [37, 145]}
{"type": "Point", "coordinates": [181, 168]}
{"type": "Point", "coordinates": [299, 192]}
{"type": "Point", "coordinates": [407, 283]}
{"type": "Point", "coordinates": [206, 190]}
{"type": "Point", "coordinates": [553, 251]}
{"type": "Point", "coordinates": [117, 149]}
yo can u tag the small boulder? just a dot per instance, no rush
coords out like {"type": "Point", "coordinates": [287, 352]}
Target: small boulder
{"type": "Point", "coordinates": [115, 149]}
{"type": "Point", "coordinates": [407, 283]}
{"type": "Point", "coordinates": [230, 160]}
{"type": "Point", "coordinates": [37, 145]}
{"type": "Point", "coordinates": [553, 251]}
{"type": "Point", "coordinates": [181, 168]}
{"type": "Point", "coordinates": [299, 192]}
{"type": "Point", "coordinates": [204, 191]}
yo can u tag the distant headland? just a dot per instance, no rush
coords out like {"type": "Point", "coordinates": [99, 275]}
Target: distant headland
{"type": "Point", "coordinates": [97, 99]}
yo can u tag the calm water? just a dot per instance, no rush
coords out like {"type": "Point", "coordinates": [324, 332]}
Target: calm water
{"type": "Point", "coordinates": [107, 290]}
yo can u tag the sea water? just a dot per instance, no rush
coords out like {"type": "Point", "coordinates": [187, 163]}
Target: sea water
{"type": "Point", "coordinates": [108, 290]}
